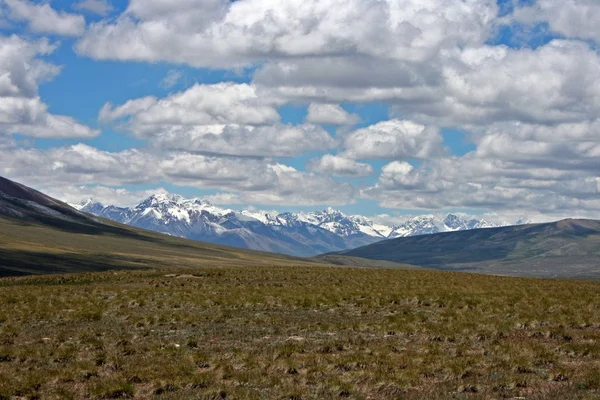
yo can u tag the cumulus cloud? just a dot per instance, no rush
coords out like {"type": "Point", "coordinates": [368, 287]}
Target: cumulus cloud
{"type": "Point", "coordinates": [251, 180]}
{"type": "Point", "coordinates": [277, 140]}
{"type": "Point", "coordinates": [575, 19]}
{"type": "Point", "coordinates": [434, 188]}
{"type": "Point", "coordinates": [531, 112]}
{"type": "Point", "coordinates": [554, 83]}
{"type": "Point", "coordinates": [219, 33]}
{"type": "Point", "coordinates": [259, 182]}
{"type": "Point", "coordinates": [225, 118]}
{"type": "Point", "coordinates": [340, 166]}
{"type": "Point", "coordinates": [42, 18]}
{"type": "Point", "coordinates": [351, 78]}
{"type": "Point", "coordinates": [7, 142]}
{"type": "Point", "coordinates": [221, 103]}
{"type": "Point", "coordinates": [21, 108]}
{"type": "Point", "coordinates": [332, 114]}
{"type": "Point", "coordinates": [515, 167]}
{"type": "Point", "coordinates": [295, 188]}
{"type": "Point", "coordinates": [99, 7]}
{"type": "Point", "coordinates": [393, 139]}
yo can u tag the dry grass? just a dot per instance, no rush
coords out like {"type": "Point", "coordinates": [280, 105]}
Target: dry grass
{"type": "Point", "coordinates": [298, 333]}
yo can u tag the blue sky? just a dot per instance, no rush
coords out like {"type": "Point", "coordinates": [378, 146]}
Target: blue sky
{"type": "Point", "coordinates": [277, 106]}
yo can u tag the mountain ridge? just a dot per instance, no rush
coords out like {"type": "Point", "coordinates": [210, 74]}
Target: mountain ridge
{"type": "Point", "coordinates": [298, 234]}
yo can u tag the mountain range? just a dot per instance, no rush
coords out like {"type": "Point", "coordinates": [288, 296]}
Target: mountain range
{"type": "Point", "coordinates": [299, 234]}
{"type": "Point", "coordinates": [39, 235]}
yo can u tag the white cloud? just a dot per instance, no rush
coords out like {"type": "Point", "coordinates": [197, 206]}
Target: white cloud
{"type": "Point", "coordinates": [295, 188]}
{"type": "Point", "coordinates": [277, 140]}
{"type": "Point", "coordinates": [221, 103]}
{"type": "Point", "coordinates": [520, 168]}
{"type": "Point", "coordinates": [219, 33]}
{"type": "Point", "coordinates": [393, 139]}
{"type": "Point", "coordinates": [100, 7]}
{"type": "Point", "coordinates": [172, 78]}
{"type": "Point", "coordinates": [531, 112]}
{"type": "Point", "coordinates": [7, 142]}
{"type": "Point", "coordinates": [433, 188]}
{"type": "Point", "coordinates": [554, 83]}
{"type": "Point", "coordinates": [332, 114]}
{"type": "Point", "coordinates": [42, 18]}
{"type": "Point", "coordinates": [257, 181]}
{"type": "Point", "coordinates": [21, 71]}
{"type": "Point", "coordinates": [575, 19]}
{"type": "Point", "coordinates": [225, 118]}
{"type": "Point", "coordinates": [248, 180]}
{"type": "Point", "coordinates": [429, 59]}
{"type": "Point", "coordinates": [350, 77]}
{"type": "Point", "coordinates": [108, 113]}
{"type": "Point", "coordinates": [340, 166]}
{"type": "Point", "coordinates": [21, 108]}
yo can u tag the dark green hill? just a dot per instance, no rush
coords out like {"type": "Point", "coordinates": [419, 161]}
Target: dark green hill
{"type": "Point", "coordinates": [568, 248]}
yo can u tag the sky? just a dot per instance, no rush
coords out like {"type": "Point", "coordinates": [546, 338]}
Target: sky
{"type": "Point", "coordinates": [382, 108]}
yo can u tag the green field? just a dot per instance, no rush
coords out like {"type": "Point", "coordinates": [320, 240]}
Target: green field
{"type": "Point", "coordinates": [297, 332]}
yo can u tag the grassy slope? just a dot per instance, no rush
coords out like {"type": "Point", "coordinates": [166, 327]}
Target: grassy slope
{"type": "Point", "coordinates": [298, 332]}
{"type": "Point", "coordinates": [33, 248]}
{"type": "Point", "coordinates": [569, 248]}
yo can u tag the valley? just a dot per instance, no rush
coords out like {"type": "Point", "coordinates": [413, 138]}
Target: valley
{"type": "Point", "coordinates": [95, 309]}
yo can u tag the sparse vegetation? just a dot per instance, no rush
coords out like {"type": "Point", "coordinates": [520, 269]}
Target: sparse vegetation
{"type": "Point", "coordinates": [297, 333]}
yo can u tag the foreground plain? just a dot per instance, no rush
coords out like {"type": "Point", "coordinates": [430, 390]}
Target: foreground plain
{"type": "Point", "coordinates": [297, 333]}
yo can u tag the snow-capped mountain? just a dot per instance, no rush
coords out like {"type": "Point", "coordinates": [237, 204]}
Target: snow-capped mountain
{"type": "Point", "coordinates": [429, 224]}
{"type": "Point", "coordinates": [303, 234]}
{"type": "Point", "coordinates": [343, 225]}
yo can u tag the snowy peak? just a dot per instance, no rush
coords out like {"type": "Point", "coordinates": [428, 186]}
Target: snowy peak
{"type": "Point", "coordinates": [337, 222]}
{"type": "Point", "coordinates": [421, 225]}
{"type": "Point", "coordinates": [429, 224]}
{"type": "Point", "coordinates": [160, 199]}
{"type": "Point", "coordinates": [262, 217]}
{"type": "Point", "coordinates": [86, 203]}
{"type": "Point", "coordinates": [168, 208]}
{"type": "Point", "coordinates": [454, 223]}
